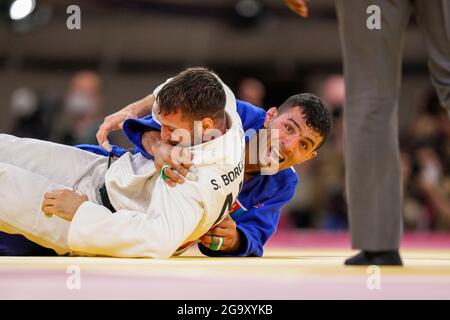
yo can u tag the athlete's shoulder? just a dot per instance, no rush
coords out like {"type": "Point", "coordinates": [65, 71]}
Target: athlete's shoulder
{"type": "Point", "coordinates": [283, 185]}
{"type": "Point", "coordinates": [276, 188]}
{"type": "Point", "coordinates": [287, 176]}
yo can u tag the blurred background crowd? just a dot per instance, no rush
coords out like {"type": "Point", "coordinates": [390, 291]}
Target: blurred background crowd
{"type": "Point", "coordinates": [58, 84]}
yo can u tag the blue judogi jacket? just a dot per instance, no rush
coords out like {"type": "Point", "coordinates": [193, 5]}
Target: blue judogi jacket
{"type": "Point", "coordinates": [256, 211]}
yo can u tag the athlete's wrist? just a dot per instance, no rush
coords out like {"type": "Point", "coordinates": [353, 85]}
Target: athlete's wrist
{"type": "Point", "coordinates": [144, 106]}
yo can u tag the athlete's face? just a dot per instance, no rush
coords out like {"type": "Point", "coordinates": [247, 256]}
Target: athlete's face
{"type": "Point", "coordinates": [296, 141]}
{"type": "Point", "coordinates": [184, 131]}
{"type": "Point", "coordinates": [176, 129]}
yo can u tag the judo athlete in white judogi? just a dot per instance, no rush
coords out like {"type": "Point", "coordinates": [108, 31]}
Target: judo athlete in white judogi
{"type": "Point", "coordinates": [151, 218]}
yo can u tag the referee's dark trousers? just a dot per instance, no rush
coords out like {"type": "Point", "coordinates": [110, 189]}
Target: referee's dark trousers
{"type": "Point", "coordinates": [372, 70]}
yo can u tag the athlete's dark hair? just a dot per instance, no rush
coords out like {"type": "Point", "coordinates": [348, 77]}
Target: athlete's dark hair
{"type": "Point", "coordinates": [318, 117]}
{"type": "Point", "coordinates": [196, 92]}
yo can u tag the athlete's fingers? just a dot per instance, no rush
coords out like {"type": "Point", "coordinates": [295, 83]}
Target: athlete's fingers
{"type": "Point", "coordinates": [49, 195]}
{"type": "Point", "coordinates": [187, 165]}
{"type": "Point", "coordinates": [102, 133]}
{"type": "Point", "coordinates": [179, 155]}
{"type": "Point", "coordinates": [57, 191]}
{"type": "Point", "coordinates": [300, 7]}
{"type": "Point", "coordinates": [174, 176]}
{"type": "Point", "coordinates": [181, 169]}
{"type": "Point", "coordinates": [167, 179]}
{"type": "Point", "coordinates": [217, 239]}
{"type": "Point", "coordinates": [49, 211]}
{"type": "Point", "coordinates": [227, 223]}
{"type": "Point", "coordinates": [122, 122]}
{"type": "Point", "coordinates": [104, 129]}
{"type": "Point", "coordinates": [48, 203]}
{"type": "Point", "coordinates": [206, 240]}
{"type": "Point", "coordinates": [46, 207]}
{"type": "Point", "coordinates": [107, 146]}
{"type": "Point", "coordinates": [222, 232]}
{"type": "Point", "coordinates": [110, 123]}
{"type": "Point", "coordinates": [170, 182]}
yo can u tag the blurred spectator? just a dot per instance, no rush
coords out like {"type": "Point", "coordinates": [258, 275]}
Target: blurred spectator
{"type": "Point", "coordinates": [252, 90]}
{"type": "Point", "coordinates": [332, 91]}
{"type": "Point", "coordinates": [330, 171]}
{"type": "Point", "coordinates": [426, 168]}
{"type": "Point", "coordinates": [82, 108]}
{"type": "Point", "coordinates": [302, 209]}
{"type": "Point", "coordinates": [32, 114]}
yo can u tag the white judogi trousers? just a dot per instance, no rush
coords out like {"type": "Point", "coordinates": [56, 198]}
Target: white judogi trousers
{"type": "Point", "coordinates": [28, 169]}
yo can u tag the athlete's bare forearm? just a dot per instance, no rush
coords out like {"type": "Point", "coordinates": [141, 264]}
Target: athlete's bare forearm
{"type": "Point", "coordinates": [142, 107]}
{"type": "Point", "coordinates": [115, 121]}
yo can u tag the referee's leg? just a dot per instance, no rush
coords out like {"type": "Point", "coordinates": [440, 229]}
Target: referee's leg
{"type": "Point", "coordinates": [433, 18]}
{"type": "Point", "coordinates": [372, 70]}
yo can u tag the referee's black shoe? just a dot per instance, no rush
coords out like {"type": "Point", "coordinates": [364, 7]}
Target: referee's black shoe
{"type": "Point", "coordinates": [379, 258]}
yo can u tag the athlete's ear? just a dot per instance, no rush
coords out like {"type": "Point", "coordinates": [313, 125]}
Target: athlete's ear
{"type": "Point", "coordinates": [207, 123]}
{"type": "Point", "coordinates": [270, 114]}
{"type": "Point", "coordinates": [312, 155]}
{"type": "Point", "coordinates": [209, 132]}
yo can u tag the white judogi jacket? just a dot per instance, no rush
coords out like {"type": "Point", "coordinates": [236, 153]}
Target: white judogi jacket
{"type": "Point", "coordinates": [153, 219]}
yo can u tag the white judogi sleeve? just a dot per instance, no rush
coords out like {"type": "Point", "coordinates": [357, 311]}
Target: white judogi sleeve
{"type": "Point", "coordinates": [171, 217]}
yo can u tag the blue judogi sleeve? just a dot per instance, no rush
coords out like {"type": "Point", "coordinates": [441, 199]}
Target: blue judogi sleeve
{"type": "Point", "coordinates": [116, 151]}
{"type": "Point", "coordinates": [259, 222]}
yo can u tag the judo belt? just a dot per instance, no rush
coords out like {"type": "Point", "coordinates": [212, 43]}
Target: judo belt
{"type": "Point", "coordinates": [105, 198]}
{"type": "Point", "coordinates": [104, 193]}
